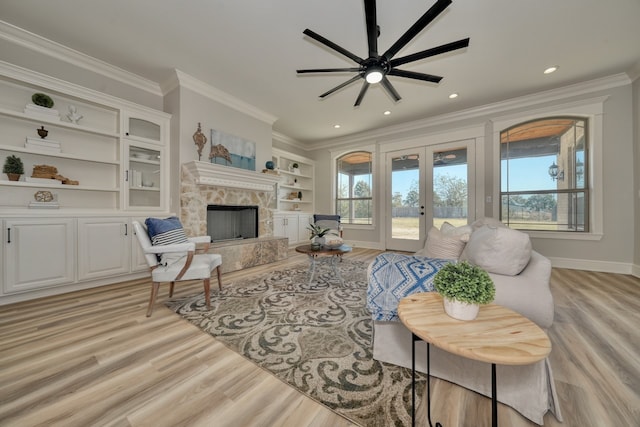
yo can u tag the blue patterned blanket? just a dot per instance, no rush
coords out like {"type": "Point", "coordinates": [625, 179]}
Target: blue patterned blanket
{"type": "Point", "coordinates": [394, 276]}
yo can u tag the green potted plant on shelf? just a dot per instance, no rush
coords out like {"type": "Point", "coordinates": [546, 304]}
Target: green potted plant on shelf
{"type": "Point", "coordinates": [13, 167]}
{"type": "Point", "coordinates": [464, 287]}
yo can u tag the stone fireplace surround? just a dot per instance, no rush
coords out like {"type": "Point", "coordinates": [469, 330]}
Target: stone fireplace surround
{"type": "Point", "coordinates": [204, 183]}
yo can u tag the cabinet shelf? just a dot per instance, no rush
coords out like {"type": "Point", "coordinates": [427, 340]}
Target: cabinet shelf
{"type": "Point", "coordinates": [299, 175]}
{"type": "Point", "coordinates": [144, 189]}
{"type": "Point", "coordinates": [293, 187]}
{"type": "Point", "coordinates": [57, 186]}
{"type": "Point", "coordinates": [59, 155]}
{"type": "Point", "coordinates": [147, 162]}
{"type": "Point", "coordinates": [294, 201]}
{"type": "Point", "coordinates": [40, 119]}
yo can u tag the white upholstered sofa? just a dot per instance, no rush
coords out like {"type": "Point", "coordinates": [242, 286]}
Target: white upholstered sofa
{"type": "Point", "coordinates": [521, 277]}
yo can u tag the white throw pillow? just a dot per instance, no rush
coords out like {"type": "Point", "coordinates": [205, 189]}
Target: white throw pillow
{"type": "Point", "coordinates": [439, 245]}
{"type": "Point", "coordinates": [499, 250]}
{"type": "Point", "coordinates": [463, 232]}
{"type": "Point", "coordinates": [492, 222]}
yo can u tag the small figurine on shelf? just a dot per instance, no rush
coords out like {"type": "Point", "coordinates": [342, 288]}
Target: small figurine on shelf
{"type": "Point", "coordinates": [73, 115]}
{"type": "Point", "coordinates": [43, 132]}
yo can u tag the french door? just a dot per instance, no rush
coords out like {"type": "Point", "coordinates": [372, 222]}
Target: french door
{"type": "Point", "coordinates": [426, 186]}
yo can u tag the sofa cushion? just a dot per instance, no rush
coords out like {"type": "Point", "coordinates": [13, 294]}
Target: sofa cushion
{"type": "Point", "coordinates": [499, 250]}
{"type": "Point", "coordinates": [441, 245]}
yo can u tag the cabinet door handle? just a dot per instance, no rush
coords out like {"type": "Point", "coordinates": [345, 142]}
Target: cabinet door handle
{"type": "Point", "coordinates": [126, 175]}
{"type": "Point", "coordinates": [126, 231]}
{"type": "Point", "coordinates": [9, 235]}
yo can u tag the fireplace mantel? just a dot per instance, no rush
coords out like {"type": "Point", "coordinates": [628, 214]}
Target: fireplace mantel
{"type": "Point", "coordinates": [206, 173]}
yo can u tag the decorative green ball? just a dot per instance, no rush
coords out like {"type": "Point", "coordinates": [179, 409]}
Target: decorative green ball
{"type": "Point", "coordinates": [43, 100]}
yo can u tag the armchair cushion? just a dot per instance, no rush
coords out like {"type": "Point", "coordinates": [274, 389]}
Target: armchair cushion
{"type": "Point", "coordinates": [165, 232]}
{"type": "Point", "coordinates": [499, 250]}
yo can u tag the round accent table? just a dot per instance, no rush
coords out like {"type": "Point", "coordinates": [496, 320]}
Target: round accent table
{"type": "Point", "coordinates": [497, 336]}
{"type": "Point", "coordinates": [332, 254]}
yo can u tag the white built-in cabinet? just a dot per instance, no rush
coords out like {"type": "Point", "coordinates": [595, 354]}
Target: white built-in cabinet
{"type": "Point", "coordinates": [295, 196]}
{"type": "Point", "coordinates": [103, 247]}
{"type": "Point", "coordinates": [38, 253]}
{"type": "Point", "coordinates": [115, 160]}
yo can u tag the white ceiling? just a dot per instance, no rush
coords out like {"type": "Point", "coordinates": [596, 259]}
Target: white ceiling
{"type": "Point", "coordinates": [251, 49]}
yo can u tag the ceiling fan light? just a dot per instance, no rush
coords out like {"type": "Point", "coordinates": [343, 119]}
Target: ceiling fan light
{"type": "Point", "coordinates": [374, 75]}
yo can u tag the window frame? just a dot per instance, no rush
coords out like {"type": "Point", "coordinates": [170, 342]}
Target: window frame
{"type": "Point", "coordinates": [557, 192]}
{"type": "Point", "coordinates": [592, 110]}
{"type": "Point", "coordinates": [335, 155]}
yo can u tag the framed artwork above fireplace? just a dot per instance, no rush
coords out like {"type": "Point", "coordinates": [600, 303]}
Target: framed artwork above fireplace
{"type": "Point", "coordinates": [232, 150]}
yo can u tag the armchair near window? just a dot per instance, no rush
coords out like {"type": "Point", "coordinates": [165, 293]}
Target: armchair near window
{"type": "Point", "coordinates": [331, 222]}
{"type": "Point", "coordinates": [179, 263]}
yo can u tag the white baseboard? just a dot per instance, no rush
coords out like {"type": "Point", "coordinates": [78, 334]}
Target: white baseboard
{"type": "Point", "coordinates": [594, 265]}
{"type": "Point", "coordinates": [635, 270]}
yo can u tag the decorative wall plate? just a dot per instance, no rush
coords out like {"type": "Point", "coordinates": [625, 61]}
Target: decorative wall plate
{"type": "Point", "coordinates": [43, 196]}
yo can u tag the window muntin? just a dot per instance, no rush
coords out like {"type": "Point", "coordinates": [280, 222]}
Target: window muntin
{"type": "Point", "coordinates": [354, 180]}
{"type": "Point", "coordinates": [543, 184]}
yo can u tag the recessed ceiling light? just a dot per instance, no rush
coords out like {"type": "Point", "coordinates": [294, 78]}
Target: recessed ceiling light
{"type": "Point", "coordinates": [386, 113]}
{"type": "Point", "coordinates": [551, 69]}
{"type": "Point", "coordinates": [336, 126]}
{"type": "Point", "coordinates": [453, 95]}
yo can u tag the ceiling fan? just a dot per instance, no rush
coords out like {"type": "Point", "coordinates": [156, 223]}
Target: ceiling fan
{"type": "Point", "coordinates": [441, 158]}
{"type": "Point", "coordinates": [375, 68]}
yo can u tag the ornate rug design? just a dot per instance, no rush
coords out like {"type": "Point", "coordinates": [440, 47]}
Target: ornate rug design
{"type": "Point", "coordinates": [316, 337]}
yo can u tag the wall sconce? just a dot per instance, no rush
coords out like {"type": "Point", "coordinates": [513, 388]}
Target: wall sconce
{"type": "Point", "coordinates": [555, 173]}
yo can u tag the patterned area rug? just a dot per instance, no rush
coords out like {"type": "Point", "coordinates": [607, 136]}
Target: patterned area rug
{"type": "Point", "coordinates": [314, 336]}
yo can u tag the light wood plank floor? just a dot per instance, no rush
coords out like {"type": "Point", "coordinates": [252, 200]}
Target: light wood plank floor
{"type": "Point", "coordinates": [92, 358]}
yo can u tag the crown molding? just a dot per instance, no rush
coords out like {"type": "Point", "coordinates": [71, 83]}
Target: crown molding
{"type": "Point", "coordinates": [289, 141]}
{"type": "Point", "coordinates": [55, 50]}
{"type": "Point", "coordinates": [182, 79]}
{"type": "Point", "coordinates": [552, 95]}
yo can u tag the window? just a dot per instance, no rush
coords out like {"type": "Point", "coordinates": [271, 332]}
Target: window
{"type": "Point", "coordinates": [543, 175]}
{"type": "Point", "coordinates": [354, 188]}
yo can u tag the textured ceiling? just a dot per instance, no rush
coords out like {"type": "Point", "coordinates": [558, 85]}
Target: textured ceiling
{"type": "Point", "coordinates": [251, 49]}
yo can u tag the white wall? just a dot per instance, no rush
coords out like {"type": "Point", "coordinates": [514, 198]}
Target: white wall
{"type": "Point", "coordinates": [619, 247]}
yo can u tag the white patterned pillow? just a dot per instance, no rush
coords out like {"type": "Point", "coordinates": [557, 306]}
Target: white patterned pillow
{"type": "Point", "coordinates": [440, 245]}
{"type": "Point", "coordinates": [463, 232]}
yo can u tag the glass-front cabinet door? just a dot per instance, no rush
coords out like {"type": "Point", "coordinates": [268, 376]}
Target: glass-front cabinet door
{"type": "Point", "coordinates": [143, 177]}
{"type": "Point", "coordinates": [143, 127]}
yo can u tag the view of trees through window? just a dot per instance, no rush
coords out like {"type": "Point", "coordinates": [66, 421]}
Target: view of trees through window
{"type": "Point", "coordinates": [354, 202]}
{"type": "Point", "coordinates": [544, 174]}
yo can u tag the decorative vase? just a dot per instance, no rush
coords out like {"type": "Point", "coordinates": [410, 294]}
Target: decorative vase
{"type": "Point", "coordinates": [461, 310]}
{"type": "Point", "coordinates": [43, 132]}
{"type": "Point", "coordinates": [319, 240]}
{"type": "Point", "coordinates": [270, 165]}
{"type": "Point", "coordinates": [13, 176]}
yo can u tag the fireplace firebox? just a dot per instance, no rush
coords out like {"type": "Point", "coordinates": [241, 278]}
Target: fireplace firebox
{"type": "Point", "coordinates": [225, 222]}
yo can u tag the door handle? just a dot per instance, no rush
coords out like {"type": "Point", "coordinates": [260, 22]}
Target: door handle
{"type": "Point", "coordinates": [9, 235]}
{"type": "Point", "coordinates": [126, 230]}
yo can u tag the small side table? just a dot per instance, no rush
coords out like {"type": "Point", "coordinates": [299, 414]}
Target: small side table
{"type": "Point", "coordinates": [334, 255]}
{"type": "Point", "coordinates": [497, 336]}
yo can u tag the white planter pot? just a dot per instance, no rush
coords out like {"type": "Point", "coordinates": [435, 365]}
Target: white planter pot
{"type": "Point", "coordinates": [461, 310]}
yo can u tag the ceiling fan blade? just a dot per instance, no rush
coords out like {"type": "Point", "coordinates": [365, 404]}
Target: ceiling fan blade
{"type": "Point", "coordinates": [365, 86]}
{"type": "Point", "coordinates": [448, 47]}
{"type": "Point", "coordinates": [390, 89]}
{"type": "Point", "coordinates": [340, 86]}
{"type": "Point", "coordinates": [332, 45]}
{"type": "Point", "coordinates": [372, 27]}
{"type": "Point", "coordinates": [420, 24]}
{"type": "Point", "coordinates": [413, 75]}
{"type": "Point", "coordinates": [327, 70]}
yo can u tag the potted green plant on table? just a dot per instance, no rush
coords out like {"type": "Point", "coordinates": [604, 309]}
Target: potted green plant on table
{"type": "Point", "coordinates": [464, 287]}
{"type": "Point", "coordinates": [321, 236]}
{"type": "Point", "coordinates": [13, 167]}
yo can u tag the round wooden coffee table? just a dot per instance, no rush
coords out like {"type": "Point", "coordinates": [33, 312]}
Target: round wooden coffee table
{"type": "Point", "coordinates": [332, 254]}
{"type": "Point", "coordinates": [497, 336]}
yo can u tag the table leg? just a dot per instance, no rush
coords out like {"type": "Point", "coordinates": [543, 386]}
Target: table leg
{"type": "Point", "coordinates": [336, 270]}
{"type": "Point", "coordinates": [494, 397]}
{"type": "Point", "coordinates": [413, 382]}
{"type": "Point", "coordinates": [312, 267]}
